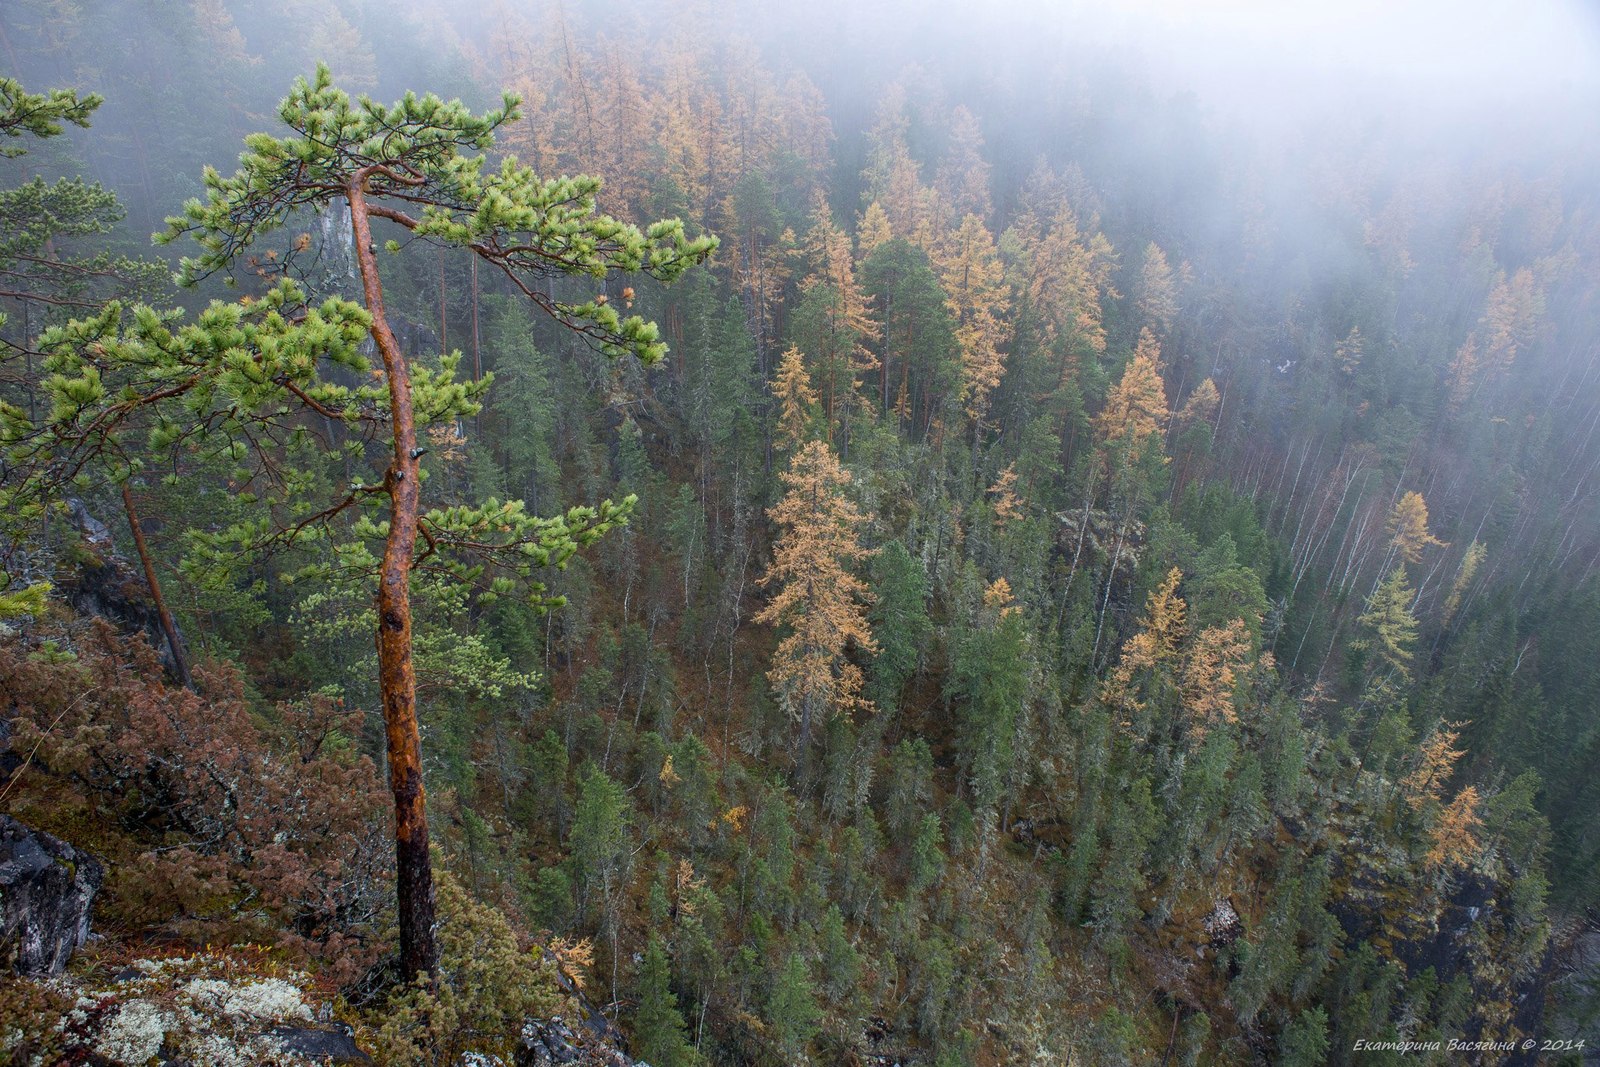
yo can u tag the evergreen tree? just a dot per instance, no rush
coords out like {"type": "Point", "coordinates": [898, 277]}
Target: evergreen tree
{"type": "Point", "coordinates": [900, 623]}
{"type": "Point", "coordinates": [659, 1035]}
{"type": "Point", "coordinates": [244, 371]}
{"type": "Point", "coordinates": [792, 1011]}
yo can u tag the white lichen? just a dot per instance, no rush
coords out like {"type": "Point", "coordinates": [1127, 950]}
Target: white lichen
{"type": "Point", "coordinates": [136, 1033]}
{"type": "Point", "coordinates": [267, 998]}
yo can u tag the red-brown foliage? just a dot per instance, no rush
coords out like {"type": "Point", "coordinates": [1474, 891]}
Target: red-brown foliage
{"type": "Point", "coordinates": [217, 821]}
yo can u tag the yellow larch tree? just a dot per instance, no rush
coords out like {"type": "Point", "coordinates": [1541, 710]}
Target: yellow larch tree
{"type": "Point", "coordinates": [1215, 659]}
{"type": "Point", "coordinates": [1453, 840]}
{"type": "Point", "coordinates": [335, 41]}
{"type": "Point", "coordinates": [839, 322]}
{"type": "Point", "coordinates": [1136, 407]}
{"type": "Point", "coordinates": [687, 117]}
{"type": "Point", "coordinates": [1436, 762]}
{"type": "Point", "coordinates": [891, 174]}
{"type": "Point", "coordinates": [1347, 353]}
{"type": "Point", "coordinates": [1158, 643]}
{"type": "Point", "coordinates": [1464, 370]}
{"type": "Point", "coordinates": [978, 299]}
{"type": "Point", "coordinates": [1470, 562]}
{"type": "Point", "coordinates": [1201, 405]}
{"type": "Point", "coordinates": [873, 230]}
{"type": "Point", "coordinates": [962, 181]}
{"type": "Point", "coordinates": [1510, 318]}
{"type": "Point", "coordinates": [796, 399]}
{"type": "Point", "coordinates": [1066, 277]}
{"type": "Point", "coordinates": [819, 603]}
{"type": "Point", "coordinates": [1007, 504]}
{"type": "Point", "coordinates": [1408, 528]}
{"type": "Point", "coordinates": [1157, 298]}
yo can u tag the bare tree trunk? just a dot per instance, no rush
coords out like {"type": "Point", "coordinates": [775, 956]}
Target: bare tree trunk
{"type": "Point", "coordinates": [180, 662]}
{"type": "Point", "coordinates": [397, 678]}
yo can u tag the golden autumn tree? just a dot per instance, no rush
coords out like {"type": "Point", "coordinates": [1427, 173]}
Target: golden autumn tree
{"type": "Point", "coordinates": [1136, 407]}
{"type": "Point", "coordinates": [796, 399]}
{"type": "Point", "coordinates": [1453, 841]}
{"type": "Point", "coordinates": [873, 230]}
{"type": "Point", "coordinates": [1008, 506]}
{"type": "Point", "coordinates": [819, 603]}
{"type": "Point", "coordinates": [1436, 762]}
{"type": "Point", "coordinates": [1065, 275]}
{"type": "Point", "coordinates": [1157, 296]}
{"type": "Point", "coordinates": [1210, 673]}
{"type": "Point", "coordinates": [962, 181]}
{"type": "Point", "coordinates": [1155, 647]}
{"type": "Point", "coordinates": [1408, 528]}
{"type": "Point", "coordinates": [1470, 562]}
{"type": "Point", "coordinates": [833, 322]}
{"type": "Point", "coordinates": [978, 299]}
{"type": "Point", "coordinates": [891, 175]}
{"type": "Point", "coordinates": [1347, 353]}
{"type": "Point", "coordinates": [1201, 405]}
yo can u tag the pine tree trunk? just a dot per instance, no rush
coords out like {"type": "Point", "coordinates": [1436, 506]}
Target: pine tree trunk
{"type": "Point", "coordinates": [397, 678]}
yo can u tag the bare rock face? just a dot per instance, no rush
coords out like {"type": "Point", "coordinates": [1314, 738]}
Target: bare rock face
{"type": "Point", "coordinates": [552, 1043]}
{"type": "Point", "coordinates": [1223, 925]}
{"type": "Point", "coordinates": [46, 887]}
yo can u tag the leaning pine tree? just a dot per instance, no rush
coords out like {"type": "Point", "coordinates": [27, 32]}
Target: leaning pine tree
{"type": "Point", "coordinates": [263, 384]}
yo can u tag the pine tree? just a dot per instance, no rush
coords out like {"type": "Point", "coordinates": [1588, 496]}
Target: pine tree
{"type": "Point", "coordinates": [841, 963]}
{"type": "Point", "coordinates": [818, 601]}
{"type": "Point", "coordinates": [1304, 1042]}
{"type": "Point", "coordinates": [900, 623]}
{"type": "Point", "coordinates": [250, 371]}
{"type": "Point", "coordinates": [40, 114]}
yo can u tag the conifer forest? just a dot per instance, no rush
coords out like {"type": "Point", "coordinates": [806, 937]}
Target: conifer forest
{"type": "Point", "coordinates": [713, 533]}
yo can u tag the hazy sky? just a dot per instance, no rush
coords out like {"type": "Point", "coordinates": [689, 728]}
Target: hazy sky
{"type": "Point", "coordinates": [1443, 51]}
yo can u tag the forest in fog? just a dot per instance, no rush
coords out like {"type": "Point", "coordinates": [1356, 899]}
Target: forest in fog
{"type": "Point", "coordinates": [705, 534]}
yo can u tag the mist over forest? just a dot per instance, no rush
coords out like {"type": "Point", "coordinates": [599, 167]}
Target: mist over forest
{"type": "Point", "coordinates": [700, 533]}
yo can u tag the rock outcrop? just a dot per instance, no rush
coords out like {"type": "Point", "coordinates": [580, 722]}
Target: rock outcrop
{"type": "Point", "coordinates": [46, 889]}
{"type": "Point", "coordinates": [106, 584]}
{"type": "Point", "coordinates": [554, 1043]}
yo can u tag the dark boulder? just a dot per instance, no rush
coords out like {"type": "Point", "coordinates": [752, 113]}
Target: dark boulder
{"type": "Point", "coordinates": [46, 887]}
{"type": "Point", "coordinates": [321, 1046]}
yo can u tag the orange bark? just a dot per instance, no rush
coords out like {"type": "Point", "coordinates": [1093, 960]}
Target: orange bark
{"type": "Point", "coordinates": [397, 678]}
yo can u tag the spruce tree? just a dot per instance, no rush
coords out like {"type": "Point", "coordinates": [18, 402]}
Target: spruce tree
{"type": "Point", "coordinates": [660, 1037]}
